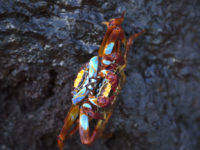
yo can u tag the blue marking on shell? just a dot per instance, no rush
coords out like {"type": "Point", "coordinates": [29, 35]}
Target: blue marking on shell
{"type": "Point", "coordinates": [109, 48]}
{"type": "Point", "coordinates": [87, 105]}
{"type": "Point", "coordinates": [79, 96]}
{"type": "Point", "coordinates": [84, 122]}
{"type": "Point", "coordinates": [106, 62]}
{"type": "Point", "coordinates": [93, 66]}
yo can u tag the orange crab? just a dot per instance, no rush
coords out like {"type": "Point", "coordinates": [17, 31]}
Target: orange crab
{"type": "Point", "coordinates": [97, 85]}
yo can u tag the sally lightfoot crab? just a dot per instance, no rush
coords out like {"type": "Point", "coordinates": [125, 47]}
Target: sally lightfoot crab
{"type": "Point", "coordinates": [97, 85]}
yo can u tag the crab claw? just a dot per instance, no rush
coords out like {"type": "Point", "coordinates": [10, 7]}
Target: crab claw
{"type": "Point", "coordinates": [117, 21]}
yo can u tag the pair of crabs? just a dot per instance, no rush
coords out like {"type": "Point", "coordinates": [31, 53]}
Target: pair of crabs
{"type": "Point", "coordinates": [97, 85]}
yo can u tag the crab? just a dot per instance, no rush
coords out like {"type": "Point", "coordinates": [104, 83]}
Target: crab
{"type": "Point", "coordinates": [97, 85]}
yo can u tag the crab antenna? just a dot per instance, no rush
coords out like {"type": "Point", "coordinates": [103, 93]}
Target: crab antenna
{"type": "Point", "coordinates": [130, 42]}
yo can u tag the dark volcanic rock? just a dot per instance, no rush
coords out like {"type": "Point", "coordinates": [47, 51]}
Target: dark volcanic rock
{"type": "Point", "coordinates": [44, 43]}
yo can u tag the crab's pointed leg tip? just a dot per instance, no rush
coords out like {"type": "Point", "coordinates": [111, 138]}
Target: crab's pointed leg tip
{"type": "Point", "coordinates": [60, 144]}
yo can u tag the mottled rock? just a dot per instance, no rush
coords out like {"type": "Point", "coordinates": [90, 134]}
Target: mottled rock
{"type": "Point", "coordinates": [44, 43]}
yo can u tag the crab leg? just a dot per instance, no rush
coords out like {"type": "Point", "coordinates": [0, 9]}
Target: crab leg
{"type": "Point", "coordinates": [110, 26]}
{"type": "Point", "coordinates": [90, 113]}
{"type": "Point", "coordinates": [100, 130]}
{"type": "Point", "coordinates": [69, 121]}
{"type": "Point", "coordinates": [118, 32]}
{"type": "Point", "coordinates": [129, 43]}
{"type": "Point", "coordinates": [84, 126]}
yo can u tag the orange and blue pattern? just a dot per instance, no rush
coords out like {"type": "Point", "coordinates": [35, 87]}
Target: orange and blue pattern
{"type": "Point", "coordinates": [97, 85]}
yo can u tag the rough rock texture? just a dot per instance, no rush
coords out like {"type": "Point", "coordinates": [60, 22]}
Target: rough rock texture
{"type": "Point", "coordinates": [44, 43]}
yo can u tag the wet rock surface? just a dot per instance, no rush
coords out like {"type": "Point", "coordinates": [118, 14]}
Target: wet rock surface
{"type": "Point", "coordinates": [44, 43]}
